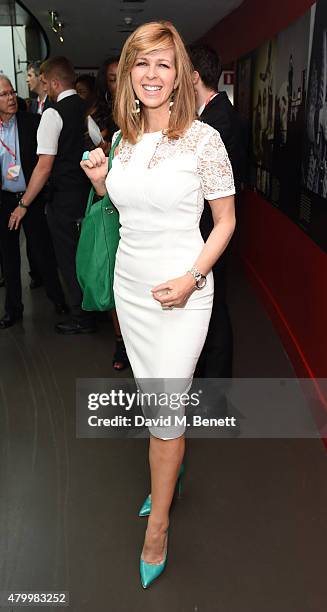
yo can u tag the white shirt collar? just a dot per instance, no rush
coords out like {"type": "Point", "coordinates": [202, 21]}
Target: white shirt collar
{"type": "Point", "coordinates": [201, 109]}
{"type": "Point", "coordinates": [65, 94]}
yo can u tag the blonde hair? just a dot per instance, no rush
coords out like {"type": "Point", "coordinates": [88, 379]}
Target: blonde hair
{"type": "Point", "coordinates": [154, 36]}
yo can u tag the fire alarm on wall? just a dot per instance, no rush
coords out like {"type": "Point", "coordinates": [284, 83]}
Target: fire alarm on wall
{"type": "Point", "coordinates": [228, 78]}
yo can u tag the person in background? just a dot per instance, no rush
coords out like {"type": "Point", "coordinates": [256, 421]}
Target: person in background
{"type": "Point", "coordinates": [85, 87]}
{"type": "Point", "coordinates": [2, 279]}
{"type": "Point", "coordinates": [214, 108]}
{"type": "Point", "coordinates": [37, 105]}
{"type": "Point", "coordinates": [22, 106]}
{"type": "Point", "coordinates": [101, 113]}
{"type": "Point", "coordinates": [60, 147]}
{"type": "Point", "coordinates": [112, 76]}
{"type": "Point", "coordinates": [17, 161]}
{"type": "Point", "coordinates": [105, 90]}
{"type": "Point", "coordinates": [37, 86]}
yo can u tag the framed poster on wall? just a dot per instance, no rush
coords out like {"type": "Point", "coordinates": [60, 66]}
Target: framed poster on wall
{"type": "Point", "coordinates": [263, 117]}
{"type": "Point", "coordinates": [287, 98]}
{"type": "Point", "coordinates": [313, 201]}
{"type": "Point", "coordinates": [291, 76]}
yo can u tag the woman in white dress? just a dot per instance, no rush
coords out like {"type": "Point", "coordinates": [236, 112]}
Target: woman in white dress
{"type": "Point", "coordinates": [166, 163]}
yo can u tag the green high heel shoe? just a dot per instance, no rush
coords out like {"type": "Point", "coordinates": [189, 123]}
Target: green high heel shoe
{"type": "Point", "coordinates": [150, 571]}
{"type": "Point", "coordinates": [146, 508]}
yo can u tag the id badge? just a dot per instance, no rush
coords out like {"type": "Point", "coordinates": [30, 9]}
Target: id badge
{"type": "Point", "coordinates": [13, 172]}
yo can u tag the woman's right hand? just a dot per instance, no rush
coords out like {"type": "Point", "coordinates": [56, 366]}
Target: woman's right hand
{"type": "Point", "coordinates": [96, 169]}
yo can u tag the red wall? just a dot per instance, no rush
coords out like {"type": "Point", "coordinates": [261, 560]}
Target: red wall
{"type": "Point", "coordinates": [288, 270]}
{"type": "Point", "coordinates": [251, 24]}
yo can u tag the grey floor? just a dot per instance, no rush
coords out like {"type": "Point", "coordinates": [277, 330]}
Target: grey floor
{"type": "Point", "coordinates": [248, 535]}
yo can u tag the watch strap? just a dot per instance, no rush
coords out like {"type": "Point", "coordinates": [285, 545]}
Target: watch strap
{"type": "Point", "coordinates": [197, 275]}
{"type": "Point", "coordinates": [21, 204]}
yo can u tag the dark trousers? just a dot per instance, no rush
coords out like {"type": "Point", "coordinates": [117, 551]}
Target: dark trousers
{"type": "Point", "coordinates": [216, 359]}
{"type": "Point", "coordinates": [64, 212]}
{"type": "Point", "coordinates": [33, 271]}
{"type": "Point", "coordinates": [37, 233]}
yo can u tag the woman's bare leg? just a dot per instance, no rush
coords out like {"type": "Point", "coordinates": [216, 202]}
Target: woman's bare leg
{"type": "Point", "coordinates": [165, 458]}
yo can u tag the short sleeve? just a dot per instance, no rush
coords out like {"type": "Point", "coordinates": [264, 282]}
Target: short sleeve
{"type": "Point", "coordinates": [214, 168]}
{"type": "Point", "coordinates": [48, 132]}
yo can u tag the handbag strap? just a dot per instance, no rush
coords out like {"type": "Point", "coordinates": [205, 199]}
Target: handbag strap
{"type": "Point", "coordinates": [113, 148]}
{"type": "Point", "coordinates": [111, 156]}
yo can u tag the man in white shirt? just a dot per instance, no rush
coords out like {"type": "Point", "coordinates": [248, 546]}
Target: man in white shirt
{"type": "Point", "coordinates": [60, 147]}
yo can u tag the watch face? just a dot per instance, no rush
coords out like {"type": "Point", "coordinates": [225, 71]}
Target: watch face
{"type": "Point", "coordinates": [201, 282]}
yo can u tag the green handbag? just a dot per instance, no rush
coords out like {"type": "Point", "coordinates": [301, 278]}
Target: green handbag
{"type": "Point", "coordinates": [96, 250]}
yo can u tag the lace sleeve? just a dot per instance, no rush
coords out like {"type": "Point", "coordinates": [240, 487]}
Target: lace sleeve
{"type": "Point", "coordinates": [214, 168]}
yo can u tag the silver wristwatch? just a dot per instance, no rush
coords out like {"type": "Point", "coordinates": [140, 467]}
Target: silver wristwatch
{"type": "Point", "coordinates": [200, 279]}
{"type": "Point", "coordinates": [21, 204]}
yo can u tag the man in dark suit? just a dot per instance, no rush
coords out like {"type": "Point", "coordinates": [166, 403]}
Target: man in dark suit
{"type": "Point", "coordinates": [214, 108]}
{"type": "Point", "coordinates": [36, 106]}
{"type": "Point", "coordinates": [17, 161]}
{"type": "Point", "coordinates": [37, 86]}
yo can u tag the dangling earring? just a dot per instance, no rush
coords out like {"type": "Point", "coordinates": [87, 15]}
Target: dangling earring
{"type": "Point", "coordinates": [171, 103]}
{"type": "Point", "coordinates": [137, 109]}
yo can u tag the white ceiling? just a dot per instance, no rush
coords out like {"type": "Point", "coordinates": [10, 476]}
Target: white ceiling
{"type": "Point", "coordinates": [91, 27]}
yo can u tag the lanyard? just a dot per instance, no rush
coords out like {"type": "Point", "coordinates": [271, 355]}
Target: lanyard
{"type": "Point", "coordinates": [40, 106]}
{"type": "Point", "coordinates": [12, 153]}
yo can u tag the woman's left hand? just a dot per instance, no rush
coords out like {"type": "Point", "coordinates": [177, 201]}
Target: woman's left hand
{"type": "Point", "coordinates": [175, 292]}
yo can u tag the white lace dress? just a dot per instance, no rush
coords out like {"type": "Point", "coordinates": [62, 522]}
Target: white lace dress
{"type": "Point", "coordinates": [158, 186]}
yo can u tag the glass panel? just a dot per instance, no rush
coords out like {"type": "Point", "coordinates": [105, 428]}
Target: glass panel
{"type": "Point", "coordinates": [22, 40]}
{"type": "Point", "coordinates": [20, 55]}
{"type": "Point", "coordinates": [7, 65]}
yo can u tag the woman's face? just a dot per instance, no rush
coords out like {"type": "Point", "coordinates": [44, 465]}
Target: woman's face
{"type": "Point", "coordinates": [112, 79]}
{"type": "Point", "coordinates": [83, 90]}
{"type": "Point", "coordinates": [153, 77]}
